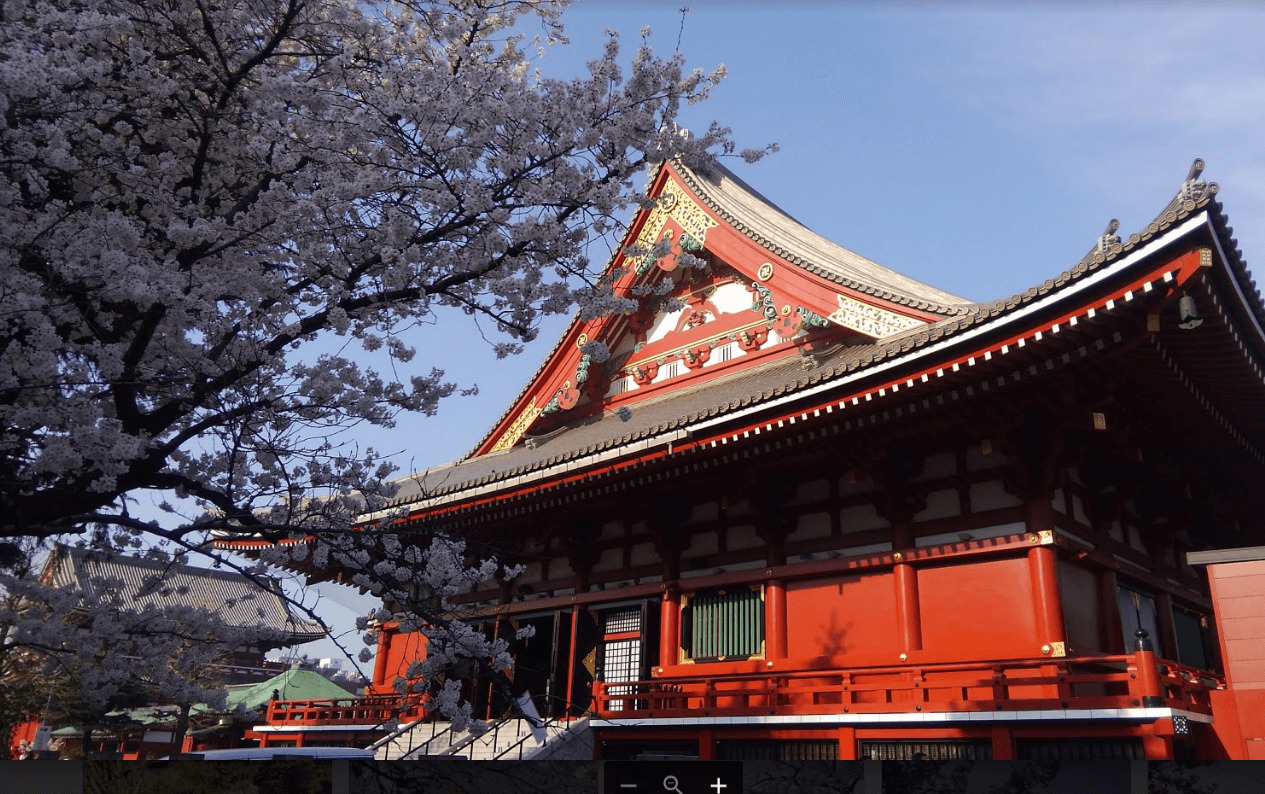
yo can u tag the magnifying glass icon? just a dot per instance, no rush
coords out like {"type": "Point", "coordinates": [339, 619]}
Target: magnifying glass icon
{"type": "Point", "coordinates": [670, 784]}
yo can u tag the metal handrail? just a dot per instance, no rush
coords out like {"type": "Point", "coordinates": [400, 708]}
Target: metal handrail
{"type": "Point", "coordinates": [411, 729]}
{"type": "Point", "coordinates": [546, 725]}
{"type": "Point", "coordinates": [454, 747]}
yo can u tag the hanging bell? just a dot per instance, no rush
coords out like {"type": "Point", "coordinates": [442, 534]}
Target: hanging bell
{"type": "Point", "coordinates": [1189, 313]}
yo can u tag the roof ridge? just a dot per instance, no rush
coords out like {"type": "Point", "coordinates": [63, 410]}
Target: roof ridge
{"type": "Point", "coordinates": [945, 304]}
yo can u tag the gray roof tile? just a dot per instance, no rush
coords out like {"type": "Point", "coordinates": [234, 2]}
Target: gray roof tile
{"type": "Point", "coordinates": [238, 600]}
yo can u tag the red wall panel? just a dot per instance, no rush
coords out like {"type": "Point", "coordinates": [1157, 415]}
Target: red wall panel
{"type": "Point", "coordinates": [845, 617]}
{"type": "Point", "coordinates": [978, 610]}
{"type": "Point", "coordinates": [401, 650]}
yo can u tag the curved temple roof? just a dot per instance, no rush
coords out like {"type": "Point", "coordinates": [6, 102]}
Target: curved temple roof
{"type": "Point", "coordinates": [769, 225]}
{"type": "Point", "coordinates": [584, 441]}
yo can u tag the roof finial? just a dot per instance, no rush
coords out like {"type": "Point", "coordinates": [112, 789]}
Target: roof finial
{"type": "Point", "coordinates": [1109, 238]}
{"type": "Point", "coordinates": [1194, 188]}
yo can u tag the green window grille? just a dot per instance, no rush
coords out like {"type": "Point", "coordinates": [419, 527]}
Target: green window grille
{"type": "Point", "coordinates": [724, 624]}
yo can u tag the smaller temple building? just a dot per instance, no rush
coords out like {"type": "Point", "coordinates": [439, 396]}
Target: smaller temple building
{"type": "Point", "coordinates": [135, 583]}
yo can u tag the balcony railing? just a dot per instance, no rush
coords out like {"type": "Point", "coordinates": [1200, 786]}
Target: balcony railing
{"type": "Point", "coordinates": [369, 710]}
{"type": "Point", "coordinates": [1124, 681]}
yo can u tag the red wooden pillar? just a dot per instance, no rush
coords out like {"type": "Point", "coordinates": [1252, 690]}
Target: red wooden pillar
{"type": "Point", "coordinates": [380, 661]}
{"type": "Point", "coordinates": [905, 578]}
{"type": "Point", "coordinates": [775, 619]}
{"type": "Point", "coordinates": [1043, 569]}
{"type": "Point", "coordinates": [669, 628]}
{"type": "Point", "coordinates": [707, 745]}
{"type": "Point", "coordinates": [575, 628]}
{"type": "Point", "coordinates": [847, 743]}
{"type": "Point", "coordinates": [1003, 743]}
{"type": "Point", "coordinates": [1155, 746]}
{"type": "Point", "coordinates": [907, 616]}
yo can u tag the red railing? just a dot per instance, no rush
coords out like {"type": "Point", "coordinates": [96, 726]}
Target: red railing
{"type": "Point", "coordinates": [1125, 681]}
{"type": "Point", "coordinates": [367, 710]}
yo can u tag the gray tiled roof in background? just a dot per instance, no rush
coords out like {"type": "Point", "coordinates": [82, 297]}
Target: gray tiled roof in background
{"type": "Point", "coordinates": [238, 600]}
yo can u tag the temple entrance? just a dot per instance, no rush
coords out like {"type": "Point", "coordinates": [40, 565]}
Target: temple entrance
{"type": "Point", "coordinates": [540, 662]}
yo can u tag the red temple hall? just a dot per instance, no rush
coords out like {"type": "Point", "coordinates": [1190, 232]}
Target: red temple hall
{"type": "Point", "coordinates": [799, 506]}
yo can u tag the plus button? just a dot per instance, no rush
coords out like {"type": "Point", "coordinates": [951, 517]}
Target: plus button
{"type": "Point", "coordinates": [718, 785]}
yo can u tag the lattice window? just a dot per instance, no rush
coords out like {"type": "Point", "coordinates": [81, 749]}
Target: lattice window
{"type": "Point", "coordinates": [621, 658]}
{"type": "Point", "coordinates": [1122, 749]}
{"type": "Point", "coordinates": [770, 750]}
{"type": "Point", "coordinates": [723, 624]}
{"type": "Point", "coordinates": [622, 620]}
{"type": "Point", "coordinates": [926, 751]}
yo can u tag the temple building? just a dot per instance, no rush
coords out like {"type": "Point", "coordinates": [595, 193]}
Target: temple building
{"type": "Point", "coordinates": [796, 505]}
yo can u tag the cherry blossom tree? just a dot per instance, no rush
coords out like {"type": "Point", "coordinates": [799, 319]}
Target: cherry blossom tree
{"type": "Point", "coordinates": [194, 193]}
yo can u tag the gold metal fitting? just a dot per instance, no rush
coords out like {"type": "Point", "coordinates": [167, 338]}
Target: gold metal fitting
{"type": "Point", "coordinates": [1045, 649]}
{"type": "Point", "coordinates": [903, 657]}
{"type": "Point", "coordinates": [896, 556]}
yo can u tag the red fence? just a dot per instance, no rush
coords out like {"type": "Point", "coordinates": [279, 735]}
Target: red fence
{"type": "Point", "coordinates": [1125, 681]}
{"type": "Point", "coordinates": [368, 710]}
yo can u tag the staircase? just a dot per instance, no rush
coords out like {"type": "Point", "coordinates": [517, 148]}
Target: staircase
{"type": "Point", "coordinates": [506, 740]}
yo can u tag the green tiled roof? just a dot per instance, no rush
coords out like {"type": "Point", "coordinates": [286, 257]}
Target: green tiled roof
{"type": "Point", "coordinates": [293, 684]}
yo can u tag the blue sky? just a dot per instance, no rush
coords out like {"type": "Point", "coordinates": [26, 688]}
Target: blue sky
{"type": "Point", "coordinates": [981, 148]}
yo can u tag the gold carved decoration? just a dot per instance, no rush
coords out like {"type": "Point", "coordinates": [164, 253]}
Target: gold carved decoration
{"type": "Point", "coordinates": [1043, 538]}
{"type": "Point", "coordinates": [519, 428]}
{"type": "Point", "coordinates": [1058, 649]}
{"type": "Point", "coordinates": [765, 272]}
{"type": "Point", "coordinates": [674, 203]}
{"type": "Point", "coordinates": [871, 320]}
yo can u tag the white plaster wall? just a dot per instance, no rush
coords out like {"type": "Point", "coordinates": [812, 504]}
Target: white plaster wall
{"type": "Point", "coordinates": [861, 518]}
{"type": "Point", "coordinates": [743, 537]}
{"type": "Point", "coordinates": [940, 504]}
{"type": "Point", "coordinates": [992, 495]}
{"type": "Point", "coordinates": [810, 526]}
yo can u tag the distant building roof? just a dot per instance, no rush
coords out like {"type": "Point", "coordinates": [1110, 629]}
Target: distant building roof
{"type": "Point", "coordinates": [293, 684]}
{"type": "Point", "coordinates": [238, 600]}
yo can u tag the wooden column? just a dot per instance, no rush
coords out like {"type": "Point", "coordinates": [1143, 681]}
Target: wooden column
{"type": "Point", "coordinates": [380, 661]}
{"type": "Point", "coordinates": [707, 745]}
{"type": "Point", "coordinates": [775, 619]}
{"type": "Point", "coordinates": [575, 629]}
{"type": "Point", "coordinates": [907, 612]}
{"type": "Point", "coordinates": [669, 627]}
{"type": "Point", "coordinates": [905, 578]}
{"type": "Point", "coordinates": [847, 743]}
{"type": "Point", "coordinates": [1155, 746]}
{"type": "Point", "coordinates": [1003, 743]}
{"type": "Point", "coordinates": [1044, 573]}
